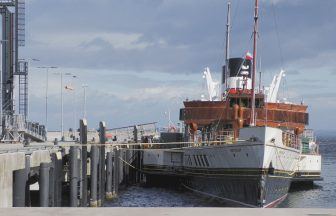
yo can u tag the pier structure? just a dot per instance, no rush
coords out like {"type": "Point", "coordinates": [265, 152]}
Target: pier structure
{"type": "Point", "coordinates": [14, 123]}
{"type": "Point", "coordinates": [68, 173]}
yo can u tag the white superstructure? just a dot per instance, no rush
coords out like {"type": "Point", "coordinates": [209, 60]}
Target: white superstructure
{"type": "Point", "coordinates": [272, 91]}
{"type": "Point", "coordinates": [212, 86]}
{"type": "Point", "coordinates": [258, 148]}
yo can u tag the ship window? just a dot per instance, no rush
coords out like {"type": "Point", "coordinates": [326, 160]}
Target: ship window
{"type": "Point", "coordinates": [259, 103]}
{"type": "Point", "coordinates": [233, 101]}
{"type": "Point", "coordinates": [206, 160]}
{"type": "Point", "coordinates": [243, 102]}
{"type": "Point", "coordinates": [199, 161]}
{"type": "Point", "coordinates": [195, 160]}
{"type": "Point", "coordinates": [201, 156]}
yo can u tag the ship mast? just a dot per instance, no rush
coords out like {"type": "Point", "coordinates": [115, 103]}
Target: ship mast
{"type": "Point", "coordinates": [227, 50]}
{"type": "Point", "coordinates": [255, 35]}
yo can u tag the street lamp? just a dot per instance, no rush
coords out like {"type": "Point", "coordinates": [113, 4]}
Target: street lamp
{"type": "Point", "coordinates": [84, 86]}
{"type": "Point", "coordinates": [46, 97]}
{"type": "Point", "coordinates": [62, 100]}
{"type": "Point", "coordinates": [72, 87]}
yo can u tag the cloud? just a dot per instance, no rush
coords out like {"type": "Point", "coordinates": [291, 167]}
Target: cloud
{"type": "Point", "coordinates": [70, 40]}
{"type": "Point", "coordinates": [138, 55]}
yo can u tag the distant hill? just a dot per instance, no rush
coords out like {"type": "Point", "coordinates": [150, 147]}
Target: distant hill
{"type": "Point", "coordinates": [326, 135]}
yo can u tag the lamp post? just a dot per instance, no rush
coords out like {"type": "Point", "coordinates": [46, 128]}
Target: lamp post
{"type": "Point", "coordinates": [84, 86]}
{"type": "Point", "coordinates": [62, 100]}
{"type": "Point", "coordinates": [46, 96]}
{"type": "Point", "coordinates": [72, 88]}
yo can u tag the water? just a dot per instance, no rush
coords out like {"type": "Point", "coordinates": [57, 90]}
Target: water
{"type": "Point", "coordinates": [321, 195]}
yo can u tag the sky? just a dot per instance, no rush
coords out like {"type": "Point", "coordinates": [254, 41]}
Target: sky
{"type": "Point", "coordinates": [141, 58]}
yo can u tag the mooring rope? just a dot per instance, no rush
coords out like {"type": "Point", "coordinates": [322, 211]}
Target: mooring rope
{"type": "Point", "coordinates": [218, 197]}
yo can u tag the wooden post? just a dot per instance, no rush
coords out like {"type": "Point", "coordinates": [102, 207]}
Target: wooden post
{"type": "Point", "coordinates": [109, 170]}
{"type": "Point", "coordinates": [102, 173]}
{"type": "Point", "coordinates": [58, 179]}
{"type": "Point", "coordinates": [83, 141]}
{"type": "Point", "coordinates": [94, 157]}
{"type": "Point", "coordinates": [74, 176]}
{"type": "Point", "coordinates": [44, 184]}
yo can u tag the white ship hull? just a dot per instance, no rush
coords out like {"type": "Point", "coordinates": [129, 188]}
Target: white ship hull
{"type": "Point", "coordinates": [254, 172]}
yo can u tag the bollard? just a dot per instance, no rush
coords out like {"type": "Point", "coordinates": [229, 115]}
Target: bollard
{"type": "Point", "coordinates": [74, 176]}
{"type": "Point", "coordinates": [102, 173]}
{"type": "Point", "coordinates": [83, 141]}
{"type": "Point", "coordinates": [94, 157]}
{"type": "Point", "coordinates": [44, 184]}
{"type": "Point", "coordinates": [109, 167]}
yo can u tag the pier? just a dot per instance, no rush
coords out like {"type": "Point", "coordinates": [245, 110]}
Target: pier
{"type": "Point", "coordinates": [73, 174]}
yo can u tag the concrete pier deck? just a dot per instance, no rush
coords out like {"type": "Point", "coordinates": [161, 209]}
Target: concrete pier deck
{"type": "Point", "coordinates": [165, 211]}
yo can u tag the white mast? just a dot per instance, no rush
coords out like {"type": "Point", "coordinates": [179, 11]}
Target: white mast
{"type": "Point", "coordinates": [255, 35]}
{"type": "Point", "coordinates": [227, 50]}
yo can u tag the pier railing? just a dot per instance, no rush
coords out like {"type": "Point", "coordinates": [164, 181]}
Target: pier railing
{"type": "Point", "coordinates": [19, 125]}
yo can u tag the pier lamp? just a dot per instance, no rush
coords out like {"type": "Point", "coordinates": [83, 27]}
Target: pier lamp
{"type": "Point", "coordinates": [84, 86]}
{"type": "Point", "coordinates": [62, 74]}
{"type": "Point", "coordinates": [46, 96]}
{"type": "Point", "coordinates": [72, 88]}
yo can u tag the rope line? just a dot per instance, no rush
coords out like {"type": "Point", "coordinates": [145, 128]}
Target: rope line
{"type": "Point", "coordinates": [218, 197]}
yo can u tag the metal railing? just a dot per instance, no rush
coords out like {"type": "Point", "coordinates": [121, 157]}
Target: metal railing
{"type": "Point", "coordinates": [309, 143]}
{"type": "Point", "coordinates": [19, 124]}
{"type": "Point", "coordinates": [290, 140]}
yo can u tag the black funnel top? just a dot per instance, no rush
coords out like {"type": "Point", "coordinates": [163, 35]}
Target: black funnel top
{"type": "Point", "coordinates": [239, 67]}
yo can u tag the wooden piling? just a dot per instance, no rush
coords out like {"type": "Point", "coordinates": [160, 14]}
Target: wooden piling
{"type": "Point", "coordinates": [94, 157]}
{"type": "Point", "coordinates": [27, 189]}
{"type": "Point", "coordinates": [74, 176]}
{"type": "Point", "coordinates": [136, 152]}
{"type": "Point", "coordinates": [52, 180]}
{"type": "Point", "coordinates": [58, 179]}
{"type": "Point", "coordinates": [20, 181]}
{"type": "Point", "coordinates": [116, 171]}
{"type": "Point", "coordinates": [102, 173]}
{"type": "Point", "coordinates": [44, 184]}
{"type": "Point", "coordinates": [109, 167]}
{"type": "Point", "coordinates": [83, 141]}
